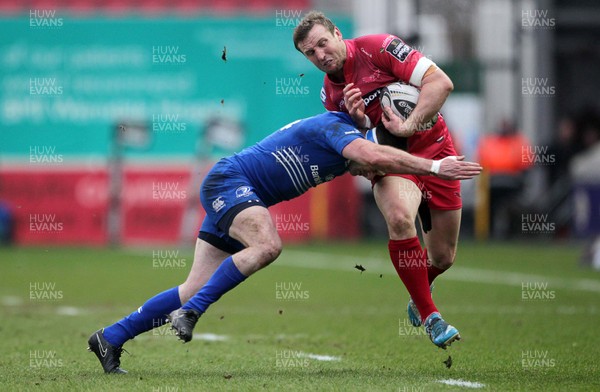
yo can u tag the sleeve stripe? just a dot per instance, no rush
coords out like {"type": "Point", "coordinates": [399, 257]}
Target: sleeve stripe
{"type": "Point", "coordinates": [419, 71]}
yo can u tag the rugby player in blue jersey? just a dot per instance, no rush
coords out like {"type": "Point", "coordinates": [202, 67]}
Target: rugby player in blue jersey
{"type": "Point", "coordinates": [238, 236]}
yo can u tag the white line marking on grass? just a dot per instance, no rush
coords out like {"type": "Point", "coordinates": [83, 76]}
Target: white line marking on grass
{"type": "Point", "coordinates": [210, 337]}
{"type": "Point", "coordinates": [69, 311]}
{"type": "Point", "coordinates": [283, 336]}
{"type": "Point", "coordinates": [318, 260]}
{"type": "Point", "coordinates": [320, 357]}
{"type": "Point", "coordinates": [11, 300]}
{"type": "Point", "coordinates": [461, 383]}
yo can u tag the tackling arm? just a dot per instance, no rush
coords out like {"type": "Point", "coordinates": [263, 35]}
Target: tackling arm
{"type": "Point", "coordinates": [386, 159]}
{"type": "Point", "coordinates": [392, 160]}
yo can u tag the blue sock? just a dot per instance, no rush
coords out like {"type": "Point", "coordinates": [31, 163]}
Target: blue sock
{"type": "Point", "coordinates": [225, 278]}
{"type": "Point", "coordinates": [150, 315]}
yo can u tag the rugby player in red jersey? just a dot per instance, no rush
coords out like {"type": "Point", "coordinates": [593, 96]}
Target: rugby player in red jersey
{"type": "Point", "coordinates": [355, 70]}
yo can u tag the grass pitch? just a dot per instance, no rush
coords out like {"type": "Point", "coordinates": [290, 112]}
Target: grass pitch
{"type": "Point", "coordinates": [311, 321]}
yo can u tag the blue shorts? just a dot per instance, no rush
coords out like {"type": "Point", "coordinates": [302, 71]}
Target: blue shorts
{"type": "Point", "coordinates": [224, 193]}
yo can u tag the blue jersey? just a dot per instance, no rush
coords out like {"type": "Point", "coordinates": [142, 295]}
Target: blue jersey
{"type": "Point", "coordinates": [282, 166]}
{"type": "Point", "coordinates": [298, 156]}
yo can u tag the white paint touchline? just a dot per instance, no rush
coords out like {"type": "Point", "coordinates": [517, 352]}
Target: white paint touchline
{"type": "Point", "coordinates": [70, 311]}
{"type": "Point", "coordinates": [461, 383]}
{"type": "Point", "coordinates": [319, 357]}
{"type": "Point", "coordinates": [210, 337]}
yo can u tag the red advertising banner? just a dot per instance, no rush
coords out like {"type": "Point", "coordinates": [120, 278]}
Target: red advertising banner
{"type": "Point", "coordinates": [66, 205]}
{"type": "Point", "coordinates": [56, 206]}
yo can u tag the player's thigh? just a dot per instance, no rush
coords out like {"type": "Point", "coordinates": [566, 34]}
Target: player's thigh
{"type": "Point", "coordinates": [206, 260]}
{"type": "Point", "coordinates": [398, 199]}
{"type": "Point", "coordinates": [441, 241]}
{"type": "Point", "coordinates": [254, 226]}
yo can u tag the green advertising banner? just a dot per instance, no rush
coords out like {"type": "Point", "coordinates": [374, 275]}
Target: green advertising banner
{"type": "Point", "coordinates": [68, 85]}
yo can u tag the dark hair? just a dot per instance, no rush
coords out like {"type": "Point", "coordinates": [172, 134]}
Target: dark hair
{"type": "Point", "coordinates": [307, 23]}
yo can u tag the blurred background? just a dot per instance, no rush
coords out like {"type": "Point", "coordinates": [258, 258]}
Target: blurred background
{"type": "Point", "coordinates": [112, 111]}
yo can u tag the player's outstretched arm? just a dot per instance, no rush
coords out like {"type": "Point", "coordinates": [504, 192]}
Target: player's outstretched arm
{"type": "Point", "coordinates": [456, 168]}
{"type": "Point", "coordinates": [391, 160]}
{"type": "Point", "coordinates": [386, 159]}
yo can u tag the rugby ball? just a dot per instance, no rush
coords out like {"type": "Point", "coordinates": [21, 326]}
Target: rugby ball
{"type": "Point", "coordinates": [402, 98]}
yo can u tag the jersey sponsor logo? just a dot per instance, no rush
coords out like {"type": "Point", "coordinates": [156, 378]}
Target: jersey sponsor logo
{"type": "Point", "coordinates": [218, 204]}
{"type": "Point", "coordinates": [314, 170]}
{"type": "Point", "coordinates": [371, 96]}
{"type": "Point", "coordinates": [398, 49]}
{"type": "Point", "coordinates": [351, 132]}
{"type": "Point", "coordinates": [323, 95]}
{"type": "Point", "coordinates": [243, 191]}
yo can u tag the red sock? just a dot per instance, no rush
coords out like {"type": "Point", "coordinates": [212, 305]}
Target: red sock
{"type": "Point", "coordinates": [433, 271]}
{"type": "Point", "coordinates": [411, 263]}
